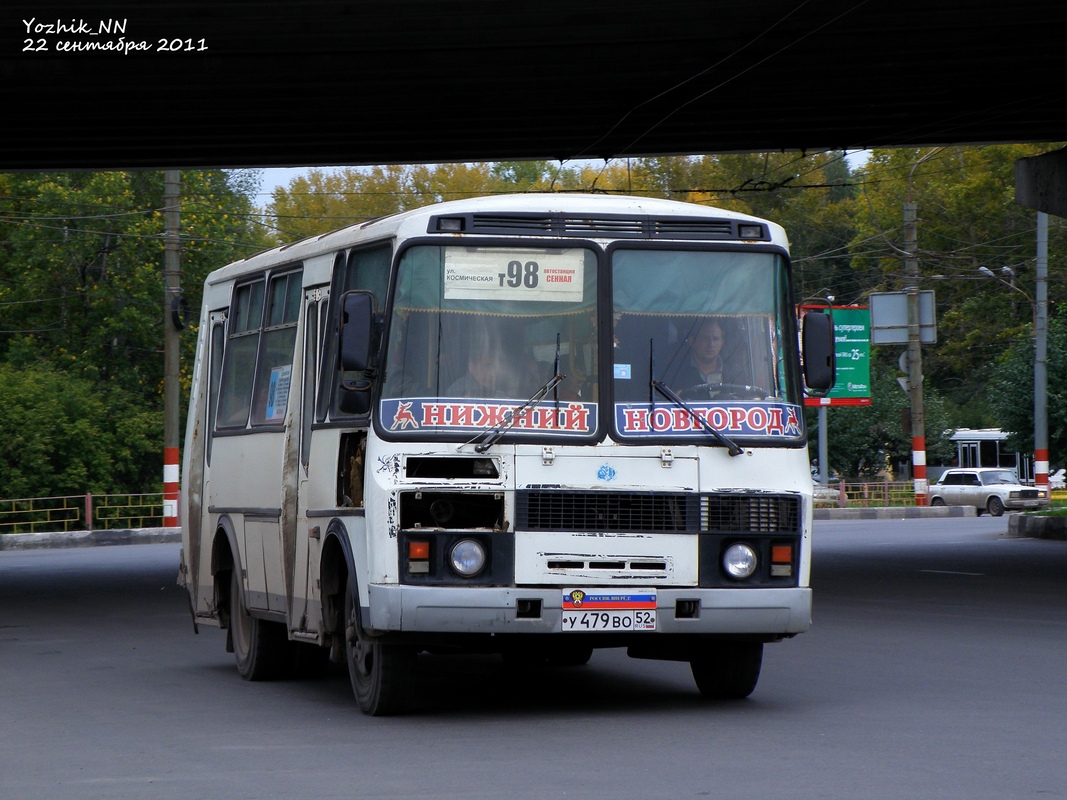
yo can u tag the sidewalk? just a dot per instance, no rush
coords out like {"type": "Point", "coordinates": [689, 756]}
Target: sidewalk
{"type": "Point", "coordinates": [895, 512]}
{"type": "Point", "coordinates": [43, 541]}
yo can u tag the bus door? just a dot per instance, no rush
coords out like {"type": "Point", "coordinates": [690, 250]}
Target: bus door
{"type": "Point", "coordinates": [309, 522]}
{"type": "Point", "coordinates": [199, 486]}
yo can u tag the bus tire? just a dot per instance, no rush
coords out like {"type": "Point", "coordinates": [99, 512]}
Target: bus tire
{"type": "Point", "coordinates": [381, 673]}
{"type": "Point", "coordinates": [259, 647]}
{"type": "Point", "coordinates": [727, 670]}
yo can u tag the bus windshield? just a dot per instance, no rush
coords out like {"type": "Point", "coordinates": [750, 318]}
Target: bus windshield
{"type": "Point", "coordinates": [476, 332]}
{"type": "Point", "coordinates": [710, 327]}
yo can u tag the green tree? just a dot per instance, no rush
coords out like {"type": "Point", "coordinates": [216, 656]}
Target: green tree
{"type": "Point", "coordinates": [65, 435]}
{"type": "Point", "coordinates": [1011, 392]}
{"type": "Point", "coordinates": [82, 314]}
{"type": "Point", "coordinates": [967, 218]}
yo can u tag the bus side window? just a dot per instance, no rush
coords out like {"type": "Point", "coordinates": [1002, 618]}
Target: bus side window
{"type": "Point", "coordinates": [313, 328]}
{"type": "Point", "coordinates": [276, 351]}
{"type": "Point", "coordinates": [218, 343]}
{"type": "Point", "coordinates": [329, 332]}
{"type": "Point", "coordinates": [235, 393]}
{"type": "Point", "coordinates": [366, 269]}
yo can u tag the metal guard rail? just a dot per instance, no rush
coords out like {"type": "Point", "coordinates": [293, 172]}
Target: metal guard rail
{"type": "Point", "coordinates": [83, 512]}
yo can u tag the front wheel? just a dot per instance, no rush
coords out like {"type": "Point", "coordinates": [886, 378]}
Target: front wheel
{"type": "Point", "coordinates": [381, 674]}
{"type": "Point", "coordinates": [727, 670]}
{"type": "Point", "coordinates": [937, 501]}
{"type": "Point", "coordinates": [995, 506]}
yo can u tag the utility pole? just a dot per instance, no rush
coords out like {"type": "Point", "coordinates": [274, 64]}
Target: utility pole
{"type": "Point", "coordinates": [915, 364]}
{"type": "Point", "coordinates": [171, 298]}
{"type": "Point", "coordinates": [1041, 356]}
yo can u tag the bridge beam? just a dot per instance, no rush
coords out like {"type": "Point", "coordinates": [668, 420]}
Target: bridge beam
{"type": "Point", "coordinates": [1041, 182]}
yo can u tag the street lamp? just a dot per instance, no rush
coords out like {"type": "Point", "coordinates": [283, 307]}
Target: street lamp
{"type": "Point", "coordinates": [1040, 332]}
{"type": "Point", "coordinates": [1010, 283]}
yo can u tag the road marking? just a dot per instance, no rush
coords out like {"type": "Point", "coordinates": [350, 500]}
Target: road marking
{"type": "Point", "coordinates": [953, 572]}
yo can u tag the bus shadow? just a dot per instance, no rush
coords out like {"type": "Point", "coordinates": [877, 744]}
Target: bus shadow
{"type": "Point", "coordinates": [464, 685]}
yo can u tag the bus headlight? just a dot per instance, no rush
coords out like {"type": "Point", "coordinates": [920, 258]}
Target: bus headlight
{"type": "Point", "coordinates": [739, 561]}
{"type": "Point", "coordinates": [467, 558]}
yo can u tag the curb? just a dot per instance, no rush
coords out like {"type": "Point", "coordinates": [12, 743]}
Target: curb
{"type": "Point", "coordinates": [1024, 526]}
{"type": "Point", "coordinates": [105, 538]}
{"type": "Point", "coordinates": [895, 512]}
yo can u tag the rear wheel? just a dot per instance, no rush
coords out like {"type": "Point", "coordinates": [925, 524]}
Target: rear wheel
{"type": "Point", "coordinates": [381, 673]}
{"type": "Point", "coordinates": [259, 647]}
{"type": "Point", "coordinates": [995, 506]}
{"type": "Point", "coordinates": [727, 670]}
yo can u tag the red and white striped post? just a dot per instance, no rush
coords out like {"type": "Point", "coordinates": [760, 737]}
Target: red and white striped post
{"type": "Point", "coordinates": [918, 463]}
{"type": "Point", "coordinates": [170, 487]}
{"type": "Point", "coordinates": [1041, 467]}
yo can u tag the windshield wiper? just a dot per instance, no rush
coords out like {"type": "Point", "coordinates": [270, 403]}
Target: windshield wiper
{"type": "Point", "coordinates": [659, 386]}
{"type": "Point", "coordinates": [491, 436]}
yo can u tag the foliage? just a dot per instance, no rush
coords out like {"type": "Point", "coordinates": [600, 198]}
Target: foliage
{"type": "Point", "coordinates": [967, 218]}
{"type": "Point", "coordinates": [65, 434]}
{"type": "Point", "coordinates": [1011, 392]}
{"type": "Point", "coordinates": [82, 310]}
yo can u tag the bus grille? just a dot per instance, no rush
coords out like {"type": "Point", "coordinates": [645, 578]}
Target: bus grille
{"type": "Point", "coordinates": [609, 512]}
{"type": "Point", "coordinates": [620, 512]}
{"type": "Point", "coordinates": [762, 513]}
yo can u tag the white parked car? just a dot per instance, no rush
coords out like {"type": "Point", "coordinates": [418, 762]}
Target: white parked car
{"type": "Point", "coordinates": [987, 489]}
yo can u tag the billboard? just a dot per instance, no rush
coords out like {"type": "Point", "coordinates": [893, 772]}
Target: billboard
{"type": "Point", "coordinates": [852, 337]}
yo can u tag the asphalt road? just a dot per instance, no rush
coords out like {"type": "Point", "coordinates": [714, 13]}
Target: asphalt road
{"type": "Point", "coordinates": [934, 669]}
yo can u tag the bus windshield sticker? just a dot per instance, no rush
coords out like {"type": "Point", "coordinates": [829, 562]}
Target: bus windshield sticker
{"type": "Point", "coordinates": [523, 275]}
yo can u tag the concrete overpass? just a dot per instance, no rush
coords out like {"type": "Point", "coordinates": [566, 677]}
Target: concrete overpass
{"type": "Point", "coordinates": [276, 82]}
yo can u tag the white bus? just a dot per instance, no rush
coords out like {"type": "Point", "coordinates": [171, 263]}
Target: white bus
{"type": "Point", "coordinates": [533, 425]}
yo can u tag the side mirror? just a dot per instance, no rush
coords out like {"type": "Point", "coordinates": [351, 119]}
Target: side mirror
{"type": "Point", "coordinates": [357, 323]}
{"type": "Point", "coordinates": [817, 343]}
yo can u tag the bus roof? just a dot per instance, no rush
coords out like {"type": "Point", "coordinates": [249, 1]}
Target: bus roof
{"type": "Point", "coordinates": [414, 222]}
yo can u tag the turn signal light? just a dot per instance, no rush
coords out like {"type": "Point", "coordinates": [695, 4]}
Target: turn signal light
{"type": "Point", "coordinates": [781, 560]}
{"type": "Point", "coordinates": [418, 556]}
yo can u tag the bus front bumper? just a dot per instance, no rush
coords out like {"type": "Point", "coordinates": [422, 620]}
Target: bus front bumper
{"type": "Point", "coordinates": [431, 609]}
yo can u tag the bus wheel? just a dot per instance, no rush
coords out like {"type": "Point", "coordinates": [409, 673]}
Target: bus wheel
{"type": "Point", "coordinates": [381, 673]}
{"type": "Point", "coordinates": [259, 647]}
{"type": "Point", "coordinates": [727, 671]}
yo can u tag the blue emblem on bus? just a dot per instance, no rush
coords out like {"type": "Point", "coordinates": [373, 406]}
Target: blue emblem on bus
{"type": "Point", "coordinates": [606, 473]}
